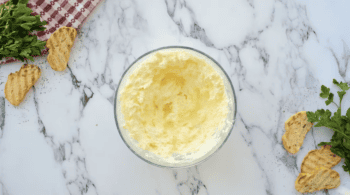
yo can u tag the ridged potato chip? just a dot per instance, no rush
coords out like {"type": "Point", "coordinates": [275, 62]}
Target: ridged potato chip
{"type": "Point", "coordinates": [296, 127]}
{"type": "Point", "coordinates": [19, 83]}
{"type": "Point", "coordinates": [60, 44]}
{"type": "Point", "coordinates": [322, 157]}
{"type": "Point", "coordinates": [321, 178]}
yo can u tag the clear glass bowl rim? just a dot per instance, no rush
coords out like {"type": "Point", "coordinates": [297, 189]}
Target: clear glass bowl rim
{"type": "Point", "coordinates": [175, 47]}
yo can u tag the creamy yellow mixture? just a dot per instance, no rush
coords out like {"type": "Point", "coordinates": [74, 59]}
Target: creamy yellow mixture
{"type": "Point", "coordinates": [173, 103]}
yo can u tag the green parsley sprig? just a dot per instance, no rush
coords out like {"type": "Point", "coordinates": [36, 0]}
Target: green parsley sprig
{"type": "Point", "coordinates": [16, 26]}
{"type": "Point", "coordinates": [340, 141]}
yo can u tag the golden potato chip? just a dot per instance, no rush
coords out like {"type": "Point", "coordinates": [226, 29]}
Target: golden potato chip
{"type": "Point", "coordinates": [322, 157]}
{"type": "Point", "coordinates": [321, 178]}
{"type": "Point", "coordinates": [296, 127]}
{"type": "Point", "coordinates": [19, 83]}
{"type": "Point", "coordinates": [60, 44]}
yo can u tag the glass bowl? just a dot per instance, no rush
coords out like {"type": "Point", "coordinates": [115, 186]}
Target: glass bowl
{"type": "Point", "coordinates": [180, 161]}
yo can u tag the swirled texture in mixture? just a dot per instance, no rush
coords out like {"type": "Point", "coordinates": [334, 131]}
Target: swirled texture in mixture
{"type": "Point", "coordinates": [173, 103]}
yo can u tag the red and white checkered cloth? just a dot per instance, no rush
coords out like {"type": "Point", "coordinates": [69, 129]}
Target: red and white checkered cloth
{"type": "Point", "coordinates": [58, 13]}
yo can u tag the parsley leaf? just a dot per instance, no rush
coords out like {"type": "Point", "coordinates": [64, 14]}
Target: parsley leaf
{"type": "Point", "coordinates": [325, 92]}
{"type": "Point", "coordinates": [341, 85]}
{"type": "Point", "coordinates": [16, 28]}
{"type": "Point", "coordinates": [341, 94]}
{"type": "Point", "coordinates": [340, 141]}
{"type": "Point", "coordinates": [330, 99]}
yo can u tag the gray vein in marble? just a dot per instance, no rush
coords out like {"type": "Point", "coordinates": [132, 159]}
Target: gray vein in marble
{"type": "Point", "coordinates": [251, 3]}
{"type": "Point", "coordinates": [3, 190]}
{"type": "Point", "coordinates": [234, 58]}
{"type": "Point", "coordinates": [268, 185]}
{"type": "Point", "coordinates": [272, 17]}
{"type": "Point", "coordinates": [313, 136]}
{"type": "Point", "coordinates": [122, 47]}
{"type": "Point", "coordinates": [81, 180]}
{"type": "Point", "coordinates": [49, 139]}
{"type": "Point", "coordinates": [86, 97]}
{"type": "Point", "coordinates": [289, 161]}
{"type": "Point", "coordinates": [343, 61]}
{"type": "Point", "coordinates": [196, 31]}
{"type": "Point", "coordinates": [2, 115]}
{"type": "Point", "coordinates": [77, 84]}
{"type": "Point", "coordinates": [75, 81]}
{"type": "Point", "coordinates": [242, 70]}
{"type": "Point", "coordinates": [346, 54]}
{"type": "Point", "coordinates": [279, 121]}
{"type": "Point", "coordinates": [246, 139]}
{"type": "Point", "coordinates": [189, 181]}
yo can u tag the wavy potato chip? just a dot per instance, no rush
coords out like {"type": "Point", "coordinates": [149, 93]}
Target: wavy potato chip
{"type": "Point", "coordinates": [19, 83]}
{"type": "Point", "coordinates": [296, 127]}
{"type": "Point", "coordinates": [60, 44]}
{"type": "Point", "coordinates": [321, 178]}
{"type": "Point", "coordinates": [322, 157]}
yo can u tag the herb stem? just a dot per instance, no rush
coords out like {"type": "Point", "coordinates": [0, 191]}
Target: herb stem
{"type": "Point", "coordinates": [336, 104]}
{"type": "Point", "coordinates": [341, 133]}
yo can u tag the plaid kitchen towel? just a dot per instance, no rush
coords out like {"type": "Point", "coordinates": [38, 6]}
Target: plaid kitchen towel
{"type": "Point", "coordinates": [58, 13]}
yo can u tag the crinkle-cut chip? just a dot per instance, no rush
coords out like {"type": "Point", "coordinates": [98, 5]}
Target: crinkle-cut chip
{"type": "Point", "coordinates": [322, 157]}
{"type": "Point", "coordinates": [19, 83]}
{"type": "Point", "coordinates": [296, 127]}
{"type": "Point", "coordinates": [321, 178]}
{"type": "Point", "coordinates": [60, 44]}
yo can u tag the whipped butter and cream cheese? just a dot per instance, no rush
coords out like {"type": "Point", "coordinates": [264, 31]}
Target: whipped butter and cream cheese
{"type": "Point", "coordinates": [173, 103]}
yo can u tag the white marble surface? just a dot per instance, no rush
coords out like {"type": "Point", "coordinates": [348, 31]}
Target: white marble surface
{"type": "Point", "coordinates": [63, 139]}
